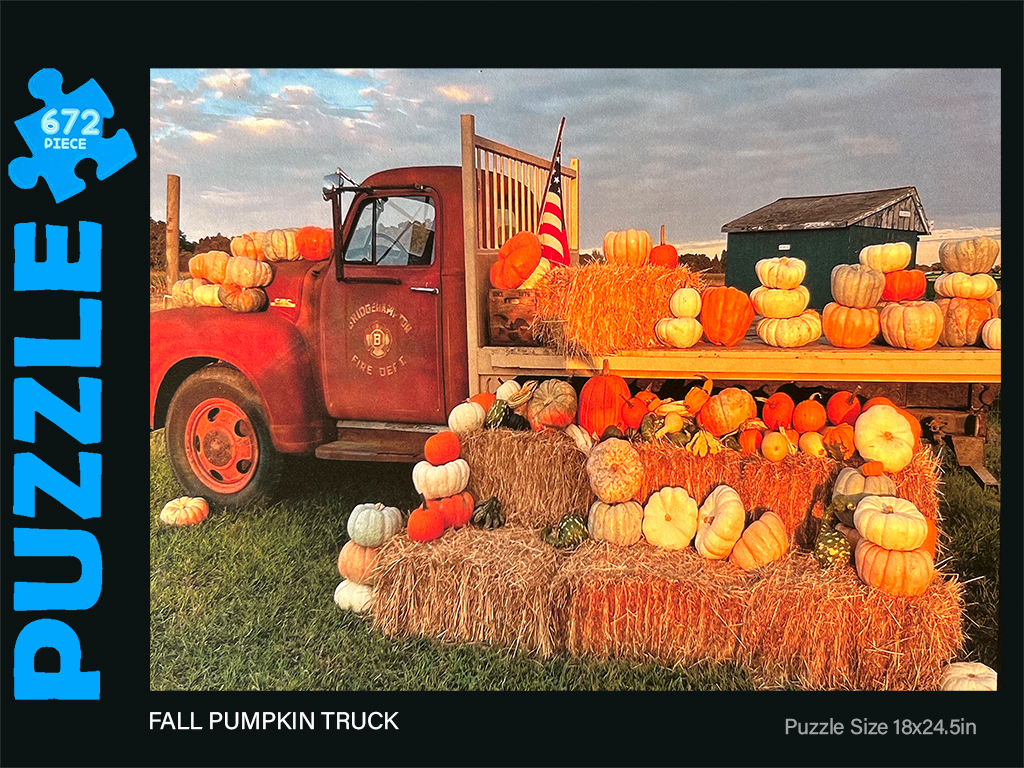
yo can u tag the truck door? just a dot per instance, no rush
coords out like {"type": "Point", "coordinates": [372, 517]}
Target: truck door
{"type": "Point", "coordinates": [381, 335]}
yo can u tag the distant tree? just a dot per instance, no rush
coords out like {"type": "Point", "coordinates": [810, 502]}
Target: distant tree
{"type": "Point", "coordinates": [216, 242]}
{"type": "Point", "coordinates": [158, 244]}
{"type": "Point", "coordinates": [696, 262]}
{"type": "Point", "coordinates": [594, 257]}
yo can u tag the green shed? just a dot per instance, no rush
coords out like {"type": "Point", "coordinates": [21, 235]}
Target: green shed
{"type": "Point", "coordinates": [823, 231]}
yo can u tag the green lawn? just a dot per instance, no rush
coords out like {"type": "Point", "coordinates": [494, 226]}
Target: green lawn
{"type": "Point", "coordinates": [244, 601]}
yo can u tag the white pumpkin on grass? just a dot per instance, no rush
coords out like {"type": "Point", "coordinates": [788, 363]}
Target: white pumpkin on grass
{"type": "Point", "coordinates": [350, 596]}
{"type": "Point", "coordinates": [670, 518]}
{"type": "Point", "coordinates": [185, 510]}
{"type": "Point", "coordinates": [441, 481]}
{"type": "Point", "coordinates": [968, 676]}
{"type": "Point", "coordinates": [371, 525]}
{"type": "Point", "coordinates": [720, 522]}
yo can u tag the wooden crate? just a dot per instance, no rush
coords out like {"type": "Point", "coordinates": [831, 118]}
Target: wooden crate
{"type": "Point", "coordinates": [511, 315]}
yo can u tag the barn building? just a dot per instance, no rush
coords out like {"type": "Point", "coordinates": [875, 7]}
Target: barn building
{"type": "Point", "coordinates": [823, 231]}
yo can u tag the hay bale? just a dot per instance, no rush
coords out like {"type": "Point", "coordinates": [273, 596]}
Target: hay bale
{"type": "Point", "coordinates": [669, 465]}
{"type": "Point", "coordinates": [597, 309]}
{"type": "Point", "coordinates": [538, 477]}
{"type": "Point", "coordinates": [788, 622]}
{"type": "Point", "coordinates": [644, 602]}
{"type": "Point", "coordinates": [468, 586]}
{"type": "Point", "coordinates": [827, 630]}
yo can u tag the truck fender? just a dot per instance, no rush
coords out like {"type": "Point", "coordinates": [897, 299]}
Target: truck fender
{"type": "Point", "coordinates": [267, 349]}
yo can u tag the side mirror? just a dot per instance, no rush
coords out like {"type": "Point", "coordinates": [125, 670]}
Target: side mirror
{"type": "Point", "coordinates": [332, 182]}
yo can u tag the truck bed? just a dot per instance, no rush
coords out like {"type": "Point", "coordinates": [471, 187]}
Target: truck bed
{"type": "Point", "coordinates": [753, 360]}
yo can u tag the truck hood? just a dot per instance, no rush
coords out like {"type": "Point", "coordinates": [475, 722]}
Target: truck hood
{"type": "Point", "coordinates": [285, 291]}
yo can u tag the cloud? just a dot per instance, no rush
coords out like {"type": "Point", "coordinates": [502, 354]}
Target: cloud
{"type": "Point", "coordinates": [867, 146]}
{"type": "Point", "coordinates": [259, 124]}
{"type": "Point", "coordinates": [464, 94]}
{"type": "Point", "coordinates": [231, 83]}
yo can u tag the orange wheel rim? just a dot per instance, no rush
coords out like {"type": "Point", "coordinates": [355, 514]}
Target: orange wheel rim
{"type": "Point", "coordinates": [221, 446]}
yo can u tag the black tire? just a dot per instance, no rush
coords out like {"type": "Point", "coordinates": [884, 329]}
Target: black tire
{"type": "Point", "coordinates": [234, 423]}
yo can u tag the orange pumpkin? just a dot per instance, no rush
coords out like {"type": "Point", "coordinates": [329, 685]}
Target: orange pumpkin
{"type": "Point", "coordinates": [314, 243]}
{"type": "Point", "coordinates": [455, 510]}
{"type": "Point", "coordinates": [963, 320]}
{"type": "Point", "coordinates": [442, 448]}
{"type": "Point", "coordinates": [849, 327]}
{"type": "Point", "coordinates": [904, 285]}
{"type": "Point", "coordinates": [895, 572]}
{"type": "Point", "coordinates": [633, 412]}
{"type": "Point", "coordinates": [600, 402]}
{"type": "Point", "coordinates": [809, 415]}
{"type": "Point", "coordinates": [750, 442]}
{"type": "Point", "coordinates": [485, 399]}
{"type": "Point", "coordinates": [725, 412]}
{"type": "Point", "coordinates": [250, 244]}
{"type": "Point", "coordinates": [664, 255]}
{"type": "Point", "coordinates": [426, 523]}
{"type": "Point", "coordinates": [726, 314]}
{"type": "Point", "coordinates": [775, 446]}
{"type": "Point", "coordinates": [356, 563]}
{"type": "Point", "coordinates": [764, 541]}
{"type": "Point", "coordinates": [517, 258]}
{"type": "Point", "coordinates": [212, 266]}
{"type": "Point", "coordinates": [839, 442]}
{"type": "Point", "coordinates": [911, 324]}
{"type": "Point", "coordinates": [698, 397]}
{"type": "Point", "coordinates": [843, 408]}
{"type": "Point", "coordinates": [631, 247]}
{"type": "Point", "coordinates": [931, 540]}
{"type": "Point", "coordinates": [777, 411]}
{"type": "Point", "coordinates": [872, 469]}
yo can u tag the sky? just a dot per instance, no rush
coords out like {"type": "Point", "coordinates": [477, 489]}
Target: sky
{"type": "Point", "coordinates": [690, 149]}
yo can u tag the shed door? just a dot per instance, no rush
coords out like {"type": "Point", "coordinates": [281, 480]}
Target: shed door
{"type": "Point", "coordinates": [381, 336]}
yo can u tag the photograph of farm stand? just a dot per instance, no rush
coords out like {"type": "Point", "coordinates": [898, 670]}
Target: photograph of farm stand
{"type": "Point", "coordinates": [516, 465]}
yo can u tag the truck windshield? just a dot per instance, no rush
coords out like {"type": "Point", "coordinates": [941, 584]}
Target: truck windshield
{"type": "Point", "coordinates": [393, 231]}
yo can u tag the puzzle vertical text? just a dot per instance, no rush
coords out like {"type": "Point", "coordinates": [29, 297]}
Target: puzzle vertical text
{"type": "Point", "coordinates": [31, 473]}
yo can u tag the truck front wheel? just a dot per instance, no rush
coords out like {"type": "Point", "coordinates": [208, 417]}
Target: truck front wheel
{"type": "Point", "coordinates": [217, 439]}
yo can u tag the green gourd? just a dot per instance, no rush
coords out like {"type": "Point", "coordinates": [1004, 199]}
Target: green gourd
{"type": "Point", "coordinates": [572, 531]}
{"type": "Point", "coordinates": [496, 414]}
{"type": "Point", "coordinates": [487, 514]}
{"type": "Point", "coordinates": [831, 548]}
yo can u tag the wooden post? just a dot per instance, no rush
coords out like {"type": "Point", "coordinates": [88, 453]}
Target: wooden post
{"type": "Point", "coordinates": [173, 234]}
{"type": "Point", "coordinates": [476, 293]}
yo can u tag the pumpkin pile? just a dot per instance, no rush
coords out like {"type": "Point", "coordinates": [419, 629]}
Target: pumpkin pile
{"type": "Point", "coordinates": [221, 280]}
{"type": "Point", "coordinates": [965, 288]}
{"type": "Point", "coordinates": [441, 480]}
{"type": "Point", "coordinates": [520, 263]}
{"type": "Point", "coordinates": [851, 319]}
{"type": "Point", "coordinates": [287, 244]}
{"type": "Point", "coordinates": [682, 330]}
{"type": "Point", "coordinates": [781, 300]}
{"type": "Point", "coordinates": [370, 526]}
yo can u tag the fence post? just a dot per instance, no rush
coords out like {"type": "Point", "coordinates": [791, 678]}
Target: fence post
{"type": "Point", "coordinates": [173, 234]}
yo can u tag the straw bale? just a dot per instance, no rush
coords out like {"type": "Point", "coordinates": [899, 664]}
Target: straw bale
{"type": "Point", "coordinates": [538, 477]}
{"type": "Point", "coordinates": [469, 586]}
{"type": "Point", "coordinates": [598, 309]}
{"type": "Point", "coordinates": [644, 602]}
{"type": "Point", "coordinates": [824, 629]}
{"type": "Point", "coordinates": [668, 465]}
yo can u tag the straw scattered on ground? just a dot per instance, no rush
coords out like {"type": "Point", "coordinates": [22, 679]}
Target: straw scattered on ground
{"type": "Point", "coordinates": [597, 309]}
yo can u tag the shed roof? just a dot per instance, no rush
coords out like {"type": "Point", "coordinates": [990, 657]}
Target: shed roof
{"type": "Point", "coordinates": [824, 211]}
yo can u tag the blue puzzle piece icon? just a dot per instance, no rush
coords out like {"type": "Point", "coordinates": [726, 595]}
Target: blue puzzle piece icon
{"type": "Point", "coordinates": [69, 128]}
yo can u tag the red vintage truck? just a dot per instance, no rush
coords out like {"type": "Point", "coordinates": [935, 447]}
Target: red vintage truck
{"type": "Point", "coordinates": [362, 356]}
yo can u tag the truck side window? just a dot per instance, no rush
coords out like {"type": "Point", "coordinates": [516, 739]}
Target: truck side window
{"type": "Point", "coordinates": [392, 232]}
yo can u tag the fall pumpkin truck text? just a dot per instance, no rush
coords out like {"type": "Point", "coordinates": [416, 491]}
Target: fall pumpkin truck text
{"type": "Point", "coordinates": [279, 721]}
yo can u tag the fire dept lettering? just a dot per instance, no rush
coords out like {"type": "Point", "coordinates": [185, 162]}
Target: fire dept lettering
{"type": "Point", "coordinates": [378, 338]}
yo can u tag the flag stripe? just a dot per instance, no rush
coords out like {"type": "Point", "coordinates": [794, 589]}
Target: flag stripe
{"type": "Point", "coordinates": [552, 234]}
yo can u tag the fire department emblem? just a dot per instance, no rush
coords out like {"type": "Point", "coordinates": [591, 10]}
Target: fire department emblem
{"type": "Point", "coordinates": [378, 340]}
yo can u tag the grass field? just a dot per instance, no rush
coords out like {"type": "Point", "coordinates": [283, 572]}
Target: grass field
{"type": "Point", "coordinates": [244, 601]}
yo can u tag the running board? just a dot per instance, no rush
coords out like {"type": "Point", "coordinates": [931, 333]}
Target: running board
{"type": "Point", "coordinates": [373, 443]}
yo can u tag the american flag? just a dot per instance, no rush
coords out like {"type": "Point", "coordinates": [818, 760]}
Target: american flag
{"type": "Point", "coordinates": [553, 240]}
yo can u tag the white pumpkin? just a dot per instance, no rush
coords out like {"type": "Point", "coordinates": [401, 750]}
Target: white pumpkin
{"type": "Point", "coordinates": [778, 302]}
{"type": "Point", "coordinates": [882, 434]}
{"type": "Point", "coordinates": [964, 286]}
{"type": "Point", "coordinates": [441, 481]}
{"type": "Point", "coordinates": [466, 417]}
{"type": "Point", "coordinates": [720, 521]}
{"type": "Point", "coordinates": [207, 295]}
{"type": "Point", "coordinates": [350, 596]}
{"type": "Point", "coordinates": [782, 272]}
{"type": "Point", "coordinates": [890, 523]}
{"type": "Point", "coordinates": [185, 510]}
{"type": "Point", "coordinates": [992, 333]}
{"type": "Point", "coordinates": [678, 332]}
{"type": "Point", "coordinates": [685, 302]}
{"type": "Point", "coordinates": [371, 525]}
{"type": "Point", "coordinates": [670, 518]}
{"type": "Point", "coordinates": [886, 257]}
{"type": "Point", "coordinates": [968, 676]}
{"type": "Point", "coordinates": [508, 389]}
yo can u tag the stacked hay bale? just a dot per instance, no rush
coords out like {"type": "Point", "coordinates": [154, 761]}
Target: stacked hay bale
{"type": "Point", "coordinates": [781, 300]}
{"type": "Point", "coordinates": [966, 289]}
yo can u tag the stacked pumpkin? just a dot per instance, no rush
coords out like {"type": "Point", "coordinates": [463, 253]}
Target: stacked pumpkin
{"type": "Point", "coordinates": [682, 330]}
{"type": "Point", "coordinates": [966, 289]}
{"type": "Point", "coordinates": [520, 263]}
{"type": "Point", "coordinates": [369, 528]}
{"type": "Point", "coordinates": [288, 244]}
{"type": "Point", "coordinates": [895, 549]}
{"type": "Point", "coordinates": [671, 518]}
{"type": "Point", "coordinates": [441, 479]}
{"type": "Point", "coordinates": [851, 320]}
{"type": "Point", "coordinates": [221, 280]}
{"type": "Point", "coordinates": [906, 321]}
{"type": "Point", "coordinates": [781, 300]}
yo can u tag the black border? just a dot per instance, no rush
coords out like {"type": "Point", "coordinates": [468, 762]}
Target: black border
{"type": "Point", "coordinates": [89, 40]}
